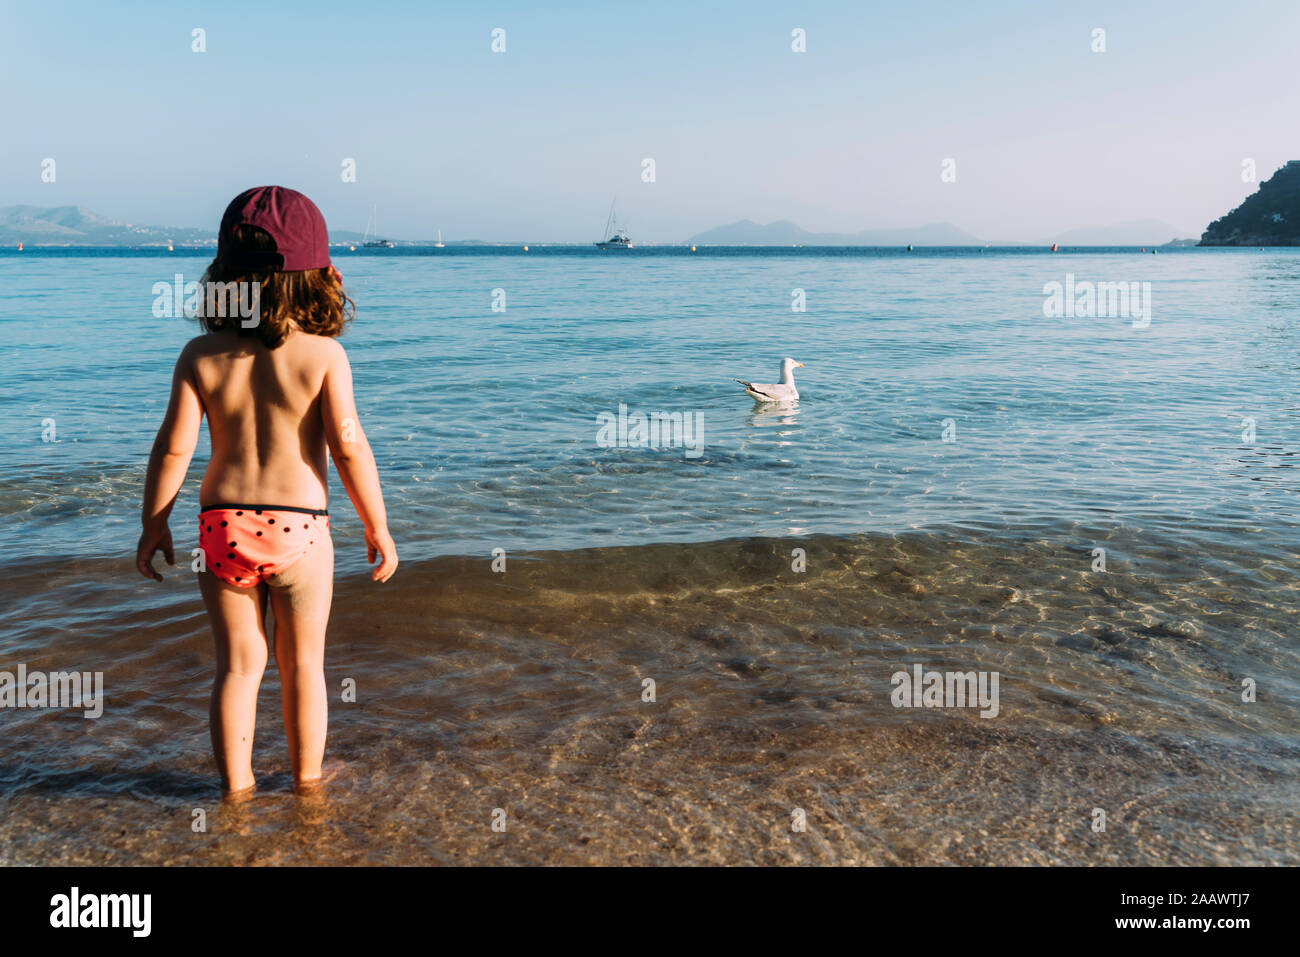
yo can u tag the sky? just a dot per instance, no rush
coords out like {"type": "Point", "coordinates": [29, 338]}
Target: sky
{"type": "Point", "coordinates": [535, 142]}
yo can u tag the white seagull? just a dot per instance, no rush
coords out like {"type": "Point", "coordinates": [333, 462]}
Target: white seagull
{"type": "Point", "coordinates": [783, 391]}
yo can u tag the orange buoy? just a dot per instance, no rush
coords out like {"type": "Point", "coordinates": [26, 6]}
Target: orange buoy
{"type": "Point", "coordinates": [20, 247]}
{"type": "Point", "coordinates": [525, 249]}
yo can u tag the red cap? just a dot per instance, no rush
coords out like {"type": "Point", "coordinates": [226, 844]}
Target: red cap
{"type": "Point", "coordinates": [291, 219]}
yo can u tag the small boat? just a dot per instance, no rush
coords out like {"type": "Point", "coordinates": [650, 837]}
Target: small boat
{"type": "Point", "coordinates": [439, 244]}
{"type": "Point", "coordinates": [618, 238]}
{"type": "Point", "coordinates": [372, 228]}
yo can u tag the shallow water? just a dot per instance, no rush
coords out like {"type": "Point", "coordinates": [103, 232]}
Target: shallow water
{"type": "Point", "coordinates": [1119, 690]}
{"type": "Point", "coordinates": [524, 691]}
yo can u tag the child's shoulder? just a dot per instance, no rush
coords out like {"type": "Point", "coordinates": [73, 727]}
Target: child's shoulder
{"type": "Point", "coordinates": [205, 344]}
{"type": "Point", "coordinates": [206, 340]}
{"type": "Point", "coordinates": [211, 343]}
{"type": "Point", "coordinates": [314, 354]}
{"type": "Point", "coordinates": [323, 348]}
{"type": "Point", "coordinates": [315, 349]}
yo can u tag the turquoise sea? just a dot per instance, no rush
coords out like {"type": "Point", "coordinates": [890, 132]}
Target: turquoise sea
{"type": "Point", "coordinates": [957, 466]}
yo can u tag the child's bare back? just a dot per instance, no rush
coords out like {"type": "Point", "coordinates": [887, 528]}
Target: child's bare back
{"type": "Point", "coordinates": [272, 449]}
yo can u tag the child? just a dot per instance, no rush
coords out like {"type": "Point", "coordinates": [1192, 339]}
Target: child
{"type": "Point", "coordinates": [277, 391]}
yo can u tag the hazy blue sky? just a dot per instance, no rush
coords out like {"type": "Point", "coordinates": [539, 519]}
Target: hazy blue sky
{"type": "Point", "coordinates": [533, 143]}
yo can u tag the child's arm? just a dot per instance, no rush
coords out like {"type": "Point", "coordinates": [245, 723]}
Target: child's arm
{"type": "Point", "coordinates": [168, 463]}
{"type": "Point", "coordinates": [355, 462]}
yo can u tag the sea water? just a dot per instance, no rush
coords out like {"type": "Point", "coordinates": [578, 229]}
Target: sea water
{"type": "Point", "coordinates": [1100, 509]}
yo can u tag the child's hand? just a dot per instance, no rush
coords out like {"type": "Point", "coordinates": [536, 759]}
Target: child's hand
{"type": "Point", "coordinates": [379, 542]}
{"type": "Point", "coordinates": [153, 540]}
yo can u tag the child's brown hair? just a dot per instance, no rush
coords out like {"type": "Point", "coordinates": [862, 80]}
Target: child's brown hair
{"type": "Point", "coordinates": [313, 300]}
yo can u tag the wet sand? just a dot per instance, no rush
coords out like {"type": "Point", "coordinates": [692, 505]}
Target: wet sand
{"type": "Point", "coordinates": [479, 691]}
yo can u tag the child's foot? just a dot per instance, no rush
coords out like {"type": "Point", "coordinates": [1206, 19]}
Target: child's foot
{"type": "Point", "coordinates": [329, 771]}
{"type": "Point", "coordinates": [235, 795]}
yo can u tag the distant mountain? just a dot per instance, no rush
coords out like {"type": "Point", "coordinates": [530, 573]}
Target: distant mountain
{"type": "Point", "coordinates": [79, 226]}
{"type": "Point", "coordinates": [1269, 217]}
{"type": "Point", "coordinates": [785, 233]}
{"type": "Point", "coordinates": [1140, 232]}
{"type": "Point", "coordinates": [1137, 232]}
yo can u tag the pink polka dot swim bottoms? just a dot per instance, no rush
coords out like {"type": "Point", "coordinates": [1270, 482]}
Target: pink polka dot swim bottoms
{"type": "Point", "coordinates": [242, 544]}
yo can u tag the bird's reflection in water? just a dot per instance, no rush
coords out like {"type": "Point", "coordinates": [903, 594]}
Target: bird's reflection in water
{"type": "Point", "coordinates": [775, 414]}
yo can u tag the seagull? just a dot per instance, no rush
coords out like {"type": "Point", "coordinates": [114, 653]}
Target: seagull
{"type": "Point", "coordinates": [783, 391]}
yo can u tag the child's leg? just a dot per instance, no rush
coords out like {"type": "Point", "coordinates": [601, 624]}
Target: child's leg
{"type": "Point", "coordinates": [300, 599]}
{"type": "Point", "coordinates": [236, 615]}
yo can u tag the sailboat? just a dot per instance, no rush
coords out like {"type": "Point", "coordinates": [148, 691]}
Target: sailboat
{"type": "Point", "coordinates": [618, 238]}
{"type": "Point", "coordinates": [439, 244]}
{"type": "Point", "coordinates": [372, 228]}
